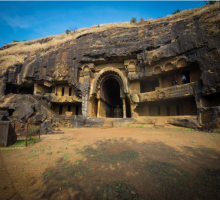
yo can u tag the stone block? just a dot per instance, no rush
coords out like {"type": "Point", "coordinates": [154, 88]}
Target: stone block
{"type": "Point", "coordinates": [97, 122]}
{"type": "Point", "coordinates": [77, 120]}
{"type": "Point", "coordinates": [7, 134]}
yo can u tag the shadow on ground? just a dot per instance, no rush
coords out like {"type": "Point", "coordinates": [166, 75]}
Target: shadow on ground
{"type": "Point", "coordinates": [126, 169]}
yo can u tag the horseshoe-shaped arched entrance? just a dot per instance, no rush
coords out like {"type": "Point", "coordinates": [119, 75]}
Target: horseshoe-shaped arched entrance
{"type": "Point", "coordinates": [110, 88]}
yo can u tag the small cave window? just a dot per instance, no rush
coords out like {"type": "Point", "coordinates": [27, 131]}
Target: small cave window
{"type": "Point", "coordinates": [61, 109]}
{"type": "Point", "coordinates": [70, 91]}
{"type": "Point", "coordinates": [77, 110]}
{"type": "Point", "coordinates": [62, 91]}
{"type": "Point", "coordinates": [69, 108]}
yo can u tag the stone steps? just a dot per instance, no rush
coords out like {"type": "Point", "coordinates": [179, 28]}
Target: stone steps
{"type": "Point", "coordinates": [64, 121]}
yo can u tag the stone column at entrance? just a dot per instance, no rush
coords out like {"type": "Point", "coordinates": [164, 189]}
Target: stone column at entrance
{"type": "Point", "coordinates": [124, 108]}
{"type": "Point", "coordinates": [98, 109]}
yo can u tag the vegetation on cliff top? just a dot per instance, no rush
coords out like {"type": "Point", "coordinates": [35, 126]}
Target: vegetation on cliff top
{"type": "Point", "coordinates": [18, 51]}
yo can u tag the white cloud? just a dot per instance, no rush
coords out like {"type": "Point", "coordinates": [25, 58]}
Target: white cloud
{"type": "Point", "coordinates": [21, 22]}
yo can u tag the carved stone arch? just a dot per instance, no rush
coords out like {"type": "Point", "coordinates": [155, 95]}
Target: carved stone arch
{"type": "Point", "coordinates": [157, 70]}
{"type": "Point", "coordinates": [168, 66]}
{"type": "Point", "coordinates": [86, 68]}
{"type": "Point", "coordinates": [181, 62]}
{"type": "Point", "coordinates": [107, 78]}
{"type": "Point", "coordinates": [113, 72]}
{"type": "Point", "coordinates": [132, 63]}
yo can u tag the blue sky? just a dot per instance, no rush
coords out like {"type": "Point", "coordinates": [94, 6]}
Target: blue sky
{"type": "Point", "coordinates": [32, 20]}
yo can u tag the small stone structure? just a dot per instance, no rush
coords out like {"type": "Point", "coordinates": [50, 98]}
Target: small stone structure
{"type": "Point", "coordinates": [7, 134]}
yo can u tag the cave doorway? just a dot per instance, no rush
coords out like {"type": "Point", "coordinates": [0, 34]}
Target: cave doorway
{"type": "Point", "coordinates": [111, 96]}
{"type": "Point", "coordinates": [187, 75]}
{"type": "Point", "coordinates": [61, 110]}
{"type": "Point", "coordinates": [128, 107]}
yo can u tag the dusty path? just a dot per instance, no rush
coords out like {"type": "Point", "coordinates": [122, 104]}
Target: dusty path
{"type": "Point", "coordinates": [116, 163]}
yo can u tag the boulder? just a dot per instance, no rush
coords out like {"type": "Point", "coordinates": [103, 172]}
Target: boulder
{"type": "Point", "coordinates": [212, 126]}
{"type": "Point", "coordinates": [4, 113]}
{"type": "Point", "coordinates": [24, 111]}
{"type": "Point", "coordinates": [7, 134]}
{"type": "Point", "coordinates": [183, 121]}
{"type": "Point", "coordinates": [37, 119]}
{"type": "Point", "coordinates": [46, 128]}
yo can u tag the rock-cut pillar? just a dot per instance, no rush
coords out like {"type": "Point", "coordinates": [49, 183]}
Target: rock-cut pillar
{"type": "Point", "coordinates": [98, 109]}
{"type": "Point", "coordinates": [124, 108]}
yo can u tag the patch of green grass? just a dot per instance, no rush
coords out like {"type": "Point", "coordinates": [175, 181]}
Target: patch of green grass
{"type": "Point", "coordinates": [65, 156]}
{"type": "Point", "coordinates": [168, 175]}
{"type": "Point", "coordinates": [182, 129]}
{"type": "Point", "coordinates": [215, 133]}
{"type": "Point", "coordinates": [80, 171]}
{"type": "Point", "coordinates": [47, 175]}
{"type": "Point", "coordinates": [21, 142]}
{"type": "Point", "coordinates": [49, 154]}
{"type": "Point", "coordinates": [116, 191]}
{"type": "Point", "coordinates": [122, 156]}
{"type": "Point", "coordinates": [78, 162]}
{"type": "Point", "coordinates": [68, 184]}
{"type": "Point", "coordinates": [65, 167]}
{"type": "Point", "coordinates": [59, 179]}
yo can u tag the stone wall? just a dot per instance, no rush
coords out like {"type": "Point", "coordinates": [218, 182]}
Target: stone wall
{"type": "Point", "coordinates": [172, 107]}
{"type": "Point", "coordinates": [7, 135]}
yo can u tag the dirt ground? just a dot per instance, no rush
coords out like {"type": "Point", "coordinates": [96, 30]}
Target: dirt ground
{"type": "Point", "coordinates": [114, 163]}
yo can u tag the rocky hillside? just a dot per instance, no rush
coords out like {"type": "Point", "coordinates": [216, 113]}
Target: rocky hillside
{"type": "Point", "coordinates": [194, 34]}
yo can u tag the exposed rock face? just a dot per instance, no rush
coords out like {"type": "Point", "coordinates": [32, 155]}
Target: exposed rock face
{"type": "Point", "coordinates": [185, 122]}
{"type": "Point", "coordinates": [130, 55]}
{"type": "Point", "coordinates": [24, 110]}
{"type": "Point", "coordinates": [38, 118]}
{"type": "Point", "coordinates": [192, 38]}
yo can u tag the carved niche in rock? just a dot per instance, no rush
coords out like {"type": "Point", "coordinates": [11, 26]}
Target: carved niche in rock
{"type": "Point", "coordinates": [131, 65]}
{"type": "Point", "coordinates": [168, 66]}
{"type": "Point", "coordinates": [181, 62]}
{"type": "Point", "coordinates": [157, 70]}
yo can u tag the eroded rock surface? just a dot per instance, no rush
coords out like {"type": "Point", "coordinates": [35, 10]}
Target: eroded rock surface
{"type": "Point", "coordinates": [70, 78]}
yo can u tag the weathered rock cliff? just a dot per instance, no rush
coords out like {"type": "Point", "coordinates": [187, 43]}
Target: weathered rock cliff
{"type": "Point", "coordinates": [193, 34]}
{"type": "Point", "coordinates": [197, 38]}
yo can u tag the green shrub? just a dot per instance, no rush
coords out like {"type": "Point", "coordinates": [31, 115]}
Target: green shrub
{"type": "Point", "coordinates": [133, 20]}
{"type": "Point", "coordinates": [16, 41]}
{"type": "Point", "coordinates": [142, 19]}
{"type": "Point", "coordinates": [177, 11]}
{"type": "Point", "coordinates": [67, 31]}
{"type": "Point", "coordinates": [210, 2]}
